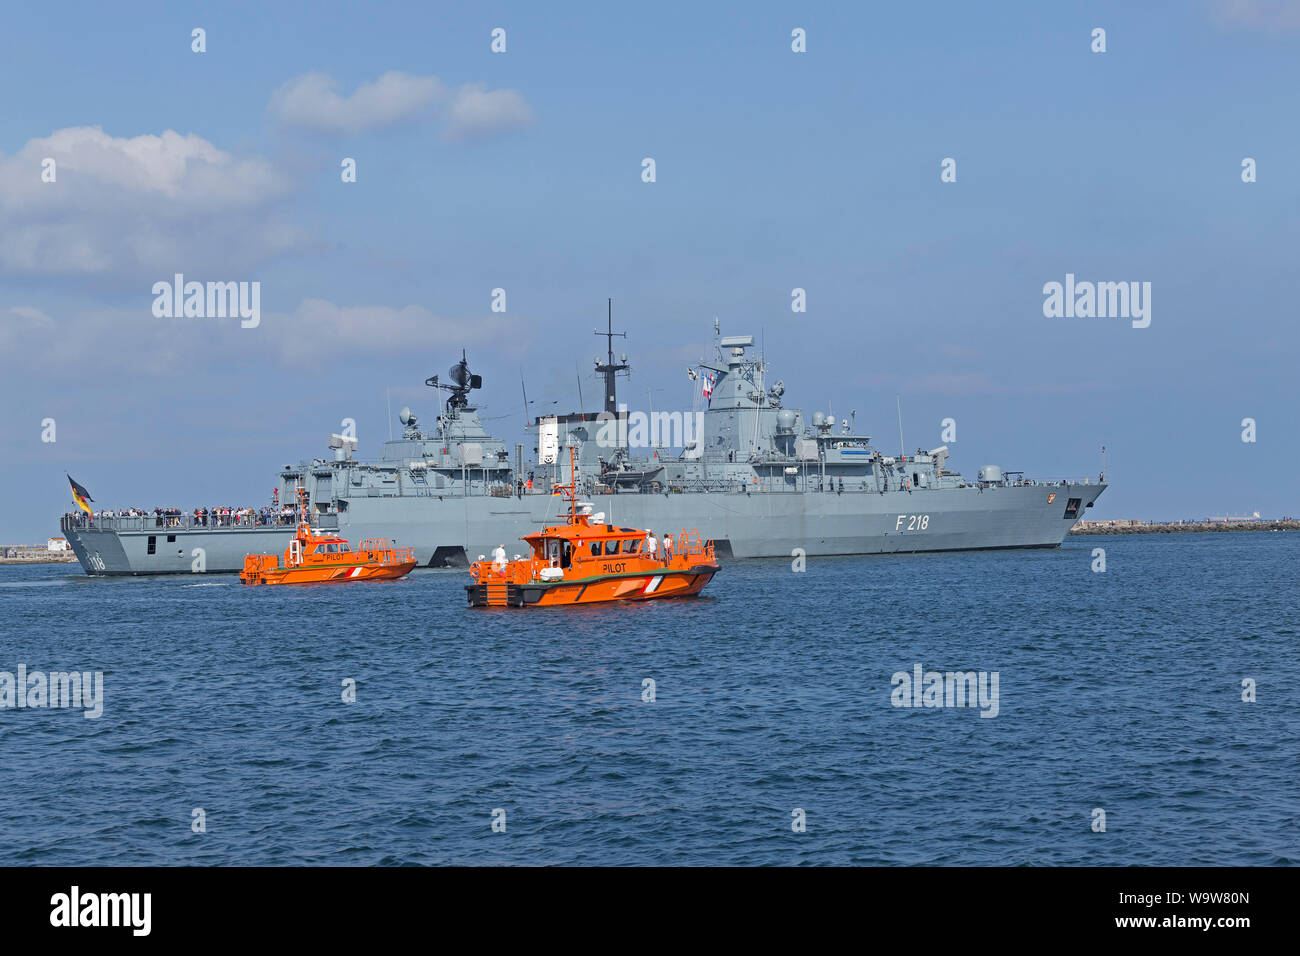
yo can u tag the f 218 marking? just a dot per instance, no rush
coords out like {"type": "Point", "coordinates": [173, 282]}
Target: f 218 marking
{"type": "Point", "coordinates": [914, 523]}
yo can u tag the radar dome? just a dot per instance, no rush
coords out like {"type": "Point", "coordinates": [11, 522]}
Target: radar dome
{"type": "Point", "coordinates": [404, 416]}
{"type": "Point", "coordinates": [785, 420]}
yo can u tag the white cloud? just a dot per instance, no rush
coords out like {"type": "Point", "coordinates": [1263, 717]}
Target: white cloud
{"type": "Point", "coordinates": [187, 169]}
{"type": "Point", "coordinates": [120, 207]}
{"type": "Point", "coordinates": [476, 111]}
{"type": "Point", "coordinates": [319, 330]}
{"type": "Point", "coordinates": [312, 102]}
{"type": "Point", "coordinates": [317, 334]}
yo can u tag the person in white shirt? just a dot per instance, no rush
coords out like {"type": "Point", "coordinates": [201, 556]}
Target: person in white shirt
{"type": "Point", "coordinates": [499, 557]}
{"type": "Point", "coordinates": [668, 548]}
{"type": "Point", "coordinates": [650, 543]}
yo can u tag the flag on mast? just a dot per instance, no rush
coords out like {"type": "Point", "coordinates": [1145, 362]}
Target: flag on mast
{"type": "Point", "coordinates": [81, 496]}
{"type": "Point", "coordinates": [707, 388]}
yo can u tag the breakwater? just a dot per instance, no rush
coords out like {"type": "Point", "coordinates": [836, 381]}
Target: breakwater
{"type": "Point", "coordinates": [1183, 527]}
{"type": "Point", "coordinates": [22, 554]}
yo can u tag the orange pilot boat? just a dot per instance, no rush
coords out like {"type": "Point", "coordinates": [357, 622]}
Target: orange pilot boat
{"type": "Point", "coordinates": [313, 558]}
{"type": "Point", "coordinates": [586, 561]}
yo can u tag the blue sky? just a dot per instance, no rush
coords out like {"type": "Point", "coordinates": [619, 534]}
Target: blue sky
{"type": "Point", "coordinates": [775, 170]}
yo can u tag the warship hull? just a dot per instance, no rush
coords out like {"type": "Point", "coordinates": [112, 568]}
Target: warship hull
{"type": "Point", "coordinates": [452, 531]}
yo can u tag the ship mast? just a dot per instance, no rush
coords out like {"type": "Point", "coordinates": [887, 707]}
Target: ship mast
{"type": "Point", "coordinates": [610, 368]}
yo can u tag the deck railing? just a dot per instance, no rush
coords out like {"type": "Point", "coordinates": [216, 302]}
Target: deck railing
{"type": "Point", "coordinates": [169, 524]}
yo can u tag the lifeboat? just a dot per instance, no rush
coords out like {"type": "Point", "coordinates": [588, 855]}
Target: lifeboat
{"type": "Point", "coordinates": [314, 558]}
{"type": "Point", "coordinates": [586, 561]}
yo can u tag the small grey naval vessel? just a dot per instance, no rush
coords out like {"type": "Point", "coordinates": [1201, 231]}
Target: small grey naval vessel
{"type": "Point", "coordinates": [758, 478]}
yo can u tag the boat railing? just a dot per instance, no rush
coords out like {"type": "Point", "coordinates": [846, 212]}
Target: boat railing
{"type": "Point", "coordinates": [691, 544]}
{"type": "Point", "coordinates": [170, 523]}
{"type": "Point", "coordinates": [385, 549]}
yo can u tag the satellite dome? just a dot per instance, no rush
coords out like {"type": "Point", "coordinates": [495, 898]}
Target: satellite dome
{"type": "Point", "coordinates": [405, 415]}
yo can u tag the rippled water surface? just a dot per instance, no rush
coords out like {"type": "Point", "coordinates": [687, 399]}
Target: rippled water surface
{"type": "Point", "coordinates": [1120, 690]}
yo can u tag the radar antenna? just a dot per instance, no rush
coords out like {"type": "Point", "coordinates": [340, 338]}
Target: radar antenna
{"type": "Point", "coordinates": [462, 382]}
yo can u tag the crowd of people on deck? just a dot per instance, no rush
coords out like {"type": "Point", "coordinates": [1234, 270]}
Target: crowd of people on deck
{"type": "Point", "coordinates": [214, 517]}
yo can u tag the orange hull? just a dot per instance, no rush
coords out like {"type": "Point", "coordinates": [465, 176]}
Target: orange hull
{"type": "Point", "coordinates": [328, 575]}
{"type": "Point", "coordinates": [314, 558]}
{"type": "Point", "coordinates": [659, 583]}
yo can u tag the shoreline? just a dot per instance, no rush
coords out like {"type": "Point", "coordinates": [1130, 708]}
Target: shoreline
{"type": "Point", "coordinates": [1175, 528]}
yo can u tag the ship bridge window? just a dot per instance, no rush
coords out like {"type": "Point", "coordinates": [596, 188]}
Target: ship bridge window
{"type": "Point", "coordinates": [632, 546]}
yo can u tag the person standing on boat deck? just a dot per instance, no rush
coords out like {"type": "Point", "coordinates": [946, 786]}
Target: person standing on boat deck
{"type": "Point", "coordinates": [668, 548]}
{"type": "Point", "coordinates": [499, 558]}
{"type": "Point", "coordinates": [650, 543]}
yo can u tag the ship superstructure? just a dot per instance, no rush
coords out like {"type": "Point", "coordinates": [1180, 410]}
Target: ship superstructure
{"type": "Point", "coordinates": [756, 477]}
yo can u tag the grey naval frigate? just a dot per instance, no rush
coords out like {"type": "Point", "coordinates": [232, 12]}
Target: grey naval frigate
{"type": "Point", "coordinates": [757, 477]}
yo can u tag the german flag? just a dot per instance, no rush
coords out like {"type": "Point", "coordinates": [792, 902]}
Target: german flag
{"type": "Point", "coordinates": [80, 495]}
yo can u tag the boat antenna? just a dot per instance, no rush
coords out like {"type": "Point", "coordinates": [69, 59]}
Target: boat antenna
{"type": "Point", "coordinates": [902, 449]}
{"type": "Point", "coordinates": [388, 393]}
{"type": "Point", "coordinates": [610, 369]}
{"type": "Point", "coordinates": [525, 391]}
{"type": "Point", "coordinates": [578, 375]}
